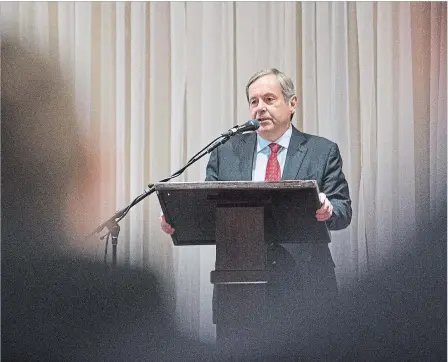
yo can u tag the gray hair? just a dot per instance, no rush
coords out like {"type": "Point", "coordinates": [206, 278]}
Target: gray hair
{"type": "Point", "coordinates": [286, 83]}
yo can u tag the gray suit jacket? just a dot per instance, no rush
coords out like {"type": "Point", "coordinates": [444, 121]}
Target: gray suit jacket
{"type": "Point", "coordinates": [308, 158]}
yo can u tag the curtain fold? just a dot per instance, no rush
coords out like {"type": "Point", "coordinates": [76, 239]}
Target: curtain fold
{"type": "Point", "coordinates": [155, 81]}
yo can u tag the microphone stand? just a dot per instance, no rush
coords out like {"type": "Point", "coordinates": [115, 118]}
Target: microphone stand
{"type": "Point", "coordinates": [112, 223]}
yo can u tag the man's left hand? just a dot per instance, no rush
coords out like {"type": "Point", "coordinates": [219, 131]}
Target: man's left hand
{"type": "Point", "coordinates": [326, 210]}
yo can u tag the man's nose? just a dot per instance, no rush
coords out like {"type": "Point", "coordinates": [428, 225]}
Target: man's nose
{"type": "Point", "coordinates": [259, 109]}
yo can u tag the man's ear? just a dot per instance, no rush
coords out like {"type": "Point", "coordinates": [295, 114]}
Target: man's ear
{"type": "Point", "coordinates": [293, 104]}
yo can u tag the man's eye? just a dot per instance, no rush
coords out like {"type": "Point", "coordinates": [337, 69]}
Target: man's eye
{"type": "Point", "coordinates": [270, 100]}
{"type": "Point", "coordinates": [253, 102]}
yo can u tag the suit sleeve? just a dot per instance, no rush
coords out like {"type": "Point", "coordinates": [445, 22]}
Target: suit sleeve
{"type": "Point", "coordinates": [211, 173]}
{"type": "Point", "coordinates": [335, 187]}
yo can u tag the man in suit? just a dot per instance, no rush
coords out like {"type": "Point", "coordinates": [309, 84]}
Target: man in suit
{"type": "Point", "coordinates": [306, 277]}
{"type": "Point", "coordinates": [305, 282]}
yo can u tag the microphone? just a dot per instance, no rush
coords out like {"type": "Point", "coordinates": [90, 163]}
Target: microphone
{"type": "Point", "coordinates": [251, 125]}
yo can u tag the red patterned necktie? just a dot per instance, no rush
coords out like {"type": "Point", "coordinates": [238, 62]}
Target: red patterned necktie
{"type": "Point", "coordinates": [273, 172]}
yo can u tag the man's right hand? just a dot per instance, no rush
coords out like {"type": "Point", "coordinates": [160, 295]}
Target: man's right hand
{"type": "Point", "coordinates": [165, 226]}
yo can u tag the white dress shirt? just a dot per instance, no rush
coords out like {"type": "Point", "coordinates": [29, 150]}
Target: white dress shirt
{"type": "Point", "coordinates": [262, 153]}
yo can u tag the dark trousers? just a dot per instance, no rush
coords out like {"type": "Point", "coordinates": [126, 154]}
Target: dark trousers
{"type": "Point", "coordinates": [301, 301]}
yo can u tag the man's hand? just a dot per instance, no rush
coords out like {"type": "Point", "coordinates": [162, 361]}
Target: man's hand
{"type": "Point", "coordinates": [326, 210]}
{"type": "Point", "coordinates": [165, 226]}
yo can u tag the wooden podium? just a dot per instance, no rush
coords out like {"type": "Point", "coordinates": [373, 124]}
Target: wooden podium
{"type": "Point", "coordinates": [244, 220]}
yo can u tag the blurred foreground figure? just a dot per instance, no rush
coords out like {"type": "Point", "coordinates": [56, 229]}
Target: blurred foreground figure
{"type": "Point", "coordinates": [58, 303]}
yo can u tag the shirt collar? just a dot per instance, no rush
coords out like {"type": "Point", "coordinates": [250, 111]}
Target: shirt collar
{"type": "Point", "coordinates": [283, 140]}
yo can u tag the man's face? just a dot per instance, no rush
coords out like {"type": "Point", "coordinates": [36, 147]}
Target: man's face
{"type": "Point", "coordinates": [267, 104]}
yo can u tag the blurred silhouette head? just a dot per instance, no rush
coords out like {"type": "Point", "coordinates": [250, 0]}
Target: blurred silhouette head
{"type": "Point", "coordinates": [43, 159]}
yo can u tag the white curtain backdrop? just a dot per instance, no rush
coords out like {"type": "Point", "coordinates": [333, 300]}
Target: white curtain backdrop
{"type": "Point", "coordinates": [156, 81]}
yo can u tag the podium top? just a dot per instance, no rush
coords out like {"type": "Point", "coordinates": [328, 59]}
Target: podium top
{"type": "Point", "coordinates": [290, 208]}
{"type": "Point", "coordinates": [232, 185]}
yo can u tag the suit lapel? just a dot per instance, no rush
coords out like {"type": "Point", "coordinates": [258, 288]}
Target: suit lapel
{"type": "Point", "coordinates": [296, 153]}
{"type": "Point", "coordinates": [246, 149]}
